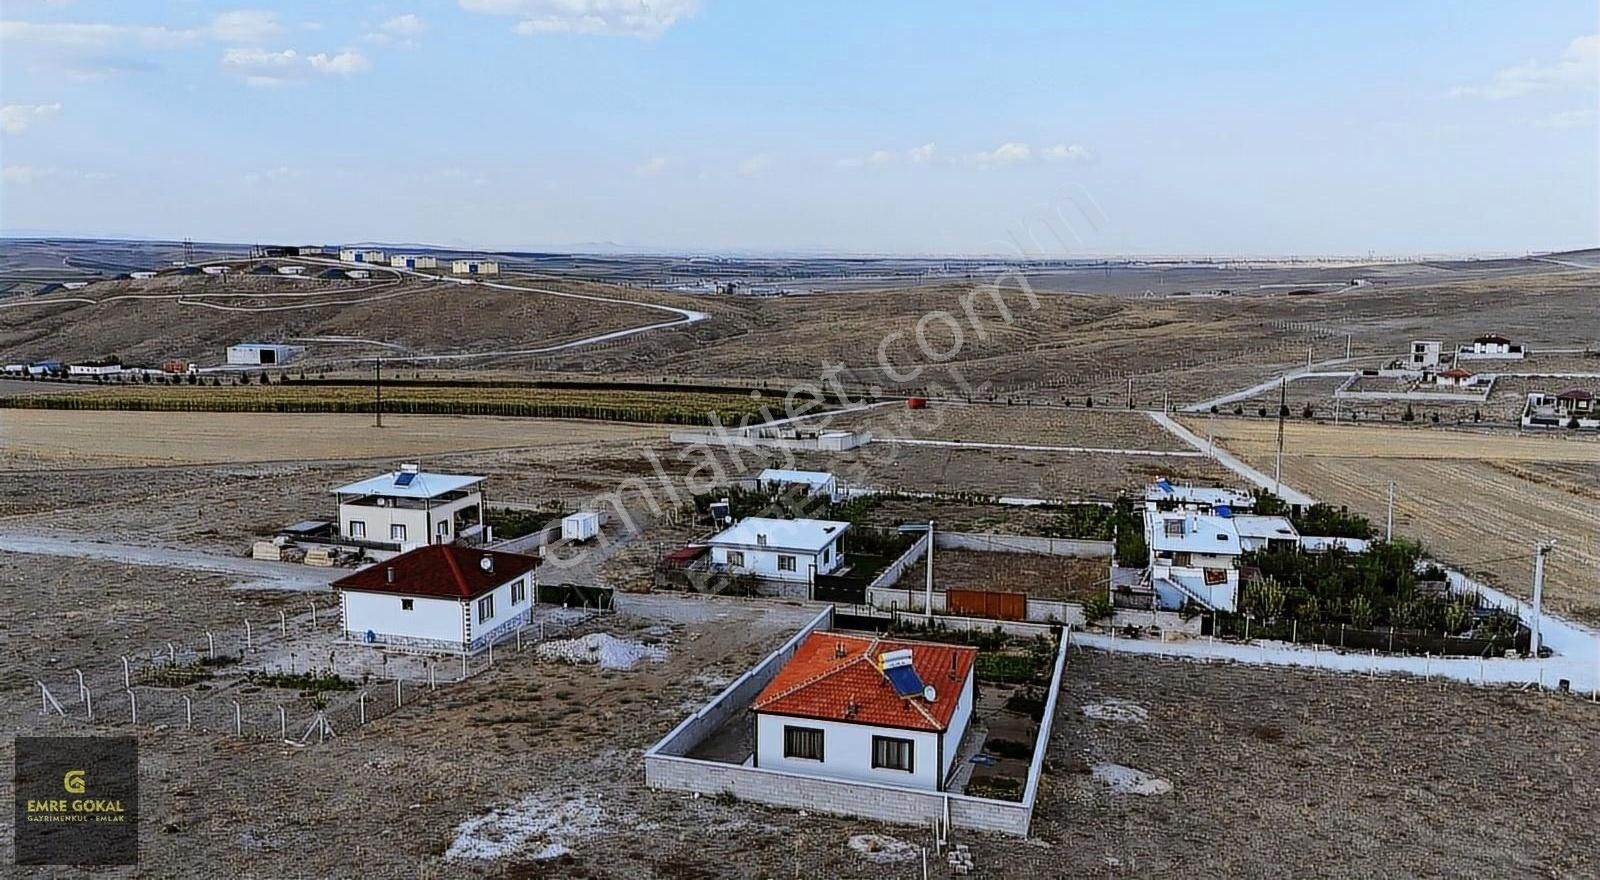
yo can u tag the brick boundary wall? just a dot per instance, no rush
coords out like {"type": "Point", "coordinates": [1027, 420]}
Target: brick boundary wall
{"type": "Point", "coordinates": [666, 768]}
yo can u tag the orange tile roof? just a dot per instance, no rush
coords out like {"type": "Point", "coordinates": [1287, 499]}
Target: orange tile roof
{"type": "Point", "coordinates": [835, 677]}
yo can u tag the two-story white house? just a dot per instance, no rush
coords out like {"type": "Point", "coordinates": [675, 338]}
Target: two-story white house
{"type": "Point", "coordinates": [1165, 495]}
{"type": "Point", "coordinates": [410, 508]}
{"type": "Point", "coordinates": [867, 709]}
{"type": "Point", "coordinates": [1193, 556]}
{"type": "Point", "coordinates": [779, 549]}
{"type": "Point", "coordinates": [439, 598]}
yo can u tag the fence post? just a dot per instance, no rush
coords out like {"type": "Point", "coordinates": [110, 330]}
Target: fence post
{"type": "Point", "coordinates": [133, 706]}
{"type": "Point", "coordinates": [313, 614]}
{"type": "Point", "coordinates": [283, 622]}
{"type": "Point", "coordinates": [361, 705]}
{"type": "Point", "coordinates": [80, 684]}
{"type": "Point", "coordinates": [247, 646]}
{"type": "Point", "coordinates": [431, 682]}
{"type": "Point", "coordinates": [88, 702]}
{"type": "Point", "coordinates": [491, 652]}
{"type": "Point", "coordinates": [211, 646]}
{"type": "Point", "coordinates": [127, 674]}
{"type": "Point", "coordinates": [397, 692]}
{"type": "Point", "coordinates": [172, 654]}
{"type": "Point", "coordinates": [1294, 632]}
{"type": "Point", "coordinates": [283, 723]}
{"type": "Point", "coordinates": [238, 720]}
{"type": "Point", "coordinates": [188, 712]}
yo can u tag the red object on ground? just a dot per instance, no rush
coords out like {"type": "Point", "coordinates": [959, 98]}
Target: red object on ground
{"type": "Point", "coordinates": [916, 403]}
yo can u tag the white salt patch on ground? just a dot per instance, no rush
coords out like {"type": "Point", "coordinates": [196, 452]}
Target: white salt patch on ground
{"type": "Point", "coordinates": [1126, 780]}
{"type": "Point", "coordinates": [531, 826]}
{"type": "Point", "coordinates": [1112, 709]}
{"type": "Point", "coordinates": [604, 649]}
{"type": "Point", "coordinates": [882, 849]}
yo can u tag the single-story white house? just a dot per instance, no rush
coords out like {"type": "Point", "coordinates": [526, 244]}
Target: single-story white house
{"type": "Point", "coordinates": [1545, 410]}
{"type": "Point", "coordinates": [818, 483]}
{"type": "Point", "coordinates": [1265, 532]}
{"type": "Point", "coordinates": [361, 255]}
{"type": "Point", "coordinates": [95, 368]}
{"type": "Point", "coordinates": [1454, 377]}
{"type": "Point", "coordinates": [1490, 347]}
{"type": "Point", "coordinates": [1193, 556]}
{"type": "Point", "coordinates": [413, 261]}
{"type": "Point", "coordinates": [143, 275]}
{"type": "Point", "coordinates": [291, 270]}
{"type": "Point", "coordinates": [438, 598]}
{"type": "Point", "coordinates": [1163, 495]}
{"type": "Point", "coordinates": [779, 549]}
{"type": "Point", "coordinates": [475, 267]}
{"type": "Point", "coordinates": [867, 709]}
{"type": "Point", "coordinates": [215, 270]}
{"type": "Point", "coordinates": [411, 507]}
{"type": "Point", "coordinates": [259, 354]}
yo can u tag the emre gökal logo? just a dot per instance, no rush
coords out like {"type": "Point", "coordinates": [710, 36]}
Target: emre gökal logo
{"type": "Point", "coordinates": [76, 809]}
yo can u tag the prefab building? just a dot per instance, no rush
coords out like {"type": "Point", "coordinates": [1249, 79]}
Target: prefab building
{"type": "Point", "coordinates": [439, 598]}
{"type": "Point", "coordinates": [214, 270]}
{"type": "Point", "coordinates": [779, 549]}
{"type": "Point", "coordinates": [413, 261]}
{"type": "Point", "coordinates": [475, 267]}
{"type": "Point", "coordinates": [361, 255]}
{"type": "Point", "coordinates": [95, 368]}
{"type": "Point", "coordinates": [291, 270]}
{"type": "Point", "coordinates": [580, 526]}
{"type": "Point", "coordinates": [262, 354]}
{"type": "Point", "coordinates": [867, 709]}
{"type": "Point", "coordinates": [409, 508]}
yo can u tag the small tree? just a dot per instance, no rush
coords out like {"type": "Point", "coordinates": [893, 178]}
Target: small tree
{"type": "Point", "coordinates": [1262, 412]}
{"type": "Point", "coordinates": [1308, 412]}
{"type": "Point", "coordinates": [1097, 609]}
{"type": "Point", "coordinates": [1477, 415]}
{"type": "Point", "coordinates": [1435, 418]}
{"type": "Point", "coordinates": [1089, 401]}
{"type": "Point", "coordinates": [1572, 423]}
{"type": "Point", "coordinates": [1409, 415]}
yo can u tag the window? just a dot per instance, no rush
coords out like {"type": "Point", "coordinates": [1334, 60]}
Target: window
{"type": "Point", "coordinates": [1173, 528]}
{"type": "Point", "coordinates": [736, 559]}
{"type": "Point", "coordinates": [397, 532]}
{"type": "Point", "coordinates": [785, 563]}
{"type": "Point", "coordinates": [827, 553]}
{"type": "Point", "coordinates": [407, 604]}
{"type": "Point", "coordinates": [802, 742]}
{"type": "Point", "coordinates": [358, 529]}
{"type": "Point", "coordinates": [486, 608]}
{"type": "Point", "coordinates": [443, 528]}
{"type": "Point", "coordinates": [891, 754]}
{"type": "Point", "coordinates": [519, 592]}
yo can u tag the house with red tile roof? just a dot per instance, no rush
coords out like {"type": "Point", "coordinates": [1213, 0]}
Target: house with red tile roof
{"type": "Point", "coordinates": [442, 597]}
{"type": "Point", "coordinates": [867, 709]}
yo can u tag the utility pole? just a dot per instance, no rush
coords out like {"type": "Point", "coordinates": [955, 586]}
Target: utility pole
{"type": "Point", "coordinates": [1535, 641]}
{"type": "Point", "coordinates": [927, 601]}
{"type": "Point", "coordinates": [377, 390]}
{"type": "Point", "coordinates": [1283, 406]}
{"type": "Point", "coordinates": [1388, 532]}
{"type": "Point", "coordinates": [1130, 392]}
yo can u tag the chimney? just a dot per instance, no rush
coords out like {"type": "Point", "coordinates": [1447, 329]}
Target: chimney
{"type": "Point", "coordinates": [388, 574]}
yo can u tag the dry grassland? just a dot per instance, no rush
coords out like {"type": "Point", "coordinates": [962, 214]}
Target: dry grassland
{"type": "Point", "coordinates": [74, 438]}
{"type": "Point", "coordinates": [1026, 425]}
{"type": "Point", "coordinates": [1479, 501]}
{"type": "Point", "coordinates": [1036, 574]}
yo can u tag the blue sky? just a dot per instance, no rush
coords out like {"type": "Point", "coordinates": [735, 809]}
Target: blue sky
{"type": "Point", "coordinates": [1044, 128]}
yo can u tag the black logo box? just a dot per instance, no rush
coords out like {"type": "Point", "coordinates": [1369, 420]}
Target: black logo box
{"type": "Point", "coordinates": [77, 800]}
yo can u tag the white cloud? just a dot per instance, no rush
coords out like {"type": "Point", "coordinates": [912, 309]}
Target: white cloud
{"type": "Point", "coordinates": [754, 165]}
{"type": "Point", "coordinates": [1578, 67]}
{"type": "Point", "coordinates": [1005, 154]}
{"type": "Point", "coordinates": [1068, 152]}
{"type": "Point", "coordinates": [245, 26]}
{"type": "Point", "coordinates": [266, 68]}
{"type": "Point", "coordinates": [645, 19]}
{"type": "Point", "coordinates": [22, 175]}
{"type": "Point", "coordinates": [272, 175]}
{"type": "Point", "coordinates": [924, 154]}
{"type": "Point", "coordinates": [75, 36]}
{"type": "Point", "coordinates": [1568, 119]}
{"type": "Point", "coordinates": [402, 30]}
{"type": "Point", "coordinates": [652, 166]}
{"type": "Point", "coordinates": [17, 117]}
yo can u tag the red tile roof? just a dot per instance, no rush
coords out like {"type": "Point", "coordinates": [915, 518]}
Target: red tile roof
{"type": "Point", "coordinates": [440, 570]}
{"type": "Point", "coordinates": [1455, 373]}
{"type": "Point", "coordinates": [1575, 394]}
{"type": "Point", "coordinates": [835, 677]}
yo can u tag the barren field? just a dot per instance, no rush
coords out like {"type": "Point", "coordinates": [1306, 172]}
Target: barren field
{"type": "Point", "coordinates": [1025, 425]}
{"type": "Point", "coordinates": [68, 438]}
{"type": "Point", "coordinates": [1037, 574]}
{"type": "Point", "coordinates": [1478, 501]}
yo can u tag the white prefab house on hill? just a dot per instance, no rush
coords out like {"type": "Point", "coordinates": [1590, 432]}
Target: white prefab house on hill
{"type": "Point", "coordinates": [867, 709]}
{"type": "Point", "coordinates": [438, 598]}
{"type": "Point", "coordinates": [411, 508]}
{"type": "Point", "coordinates": [779, 549]}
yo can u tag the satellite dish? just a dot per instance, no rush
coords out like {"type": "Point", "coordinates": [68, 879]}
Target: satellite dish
{"type": "Point", "coordinates": [486, 563]}
{"type": "Point", "coordinates": [929, 694]}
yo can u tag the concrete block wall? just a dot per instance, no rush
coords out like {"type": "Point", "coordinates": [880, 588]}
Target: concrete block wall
{"type": "Point", "coordinates": [1024, 544]}
{"type": "Point", "coordinates": [891, 575]}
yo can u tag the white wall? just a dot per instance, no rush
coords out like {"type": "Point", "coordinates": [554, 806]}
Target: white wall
{"type": "Point", "coordinates": [958, 721]}
{"type": "Point", "coordinates": [764, 562]}
{"type": "Point", "coordinates": [431, 619]}
{"type": "Point", "coordinates": [420, 524]}
{"type": "Point", "coordinates": [847, 752]}
{"type": "Point", "coordinates": [506, 613]}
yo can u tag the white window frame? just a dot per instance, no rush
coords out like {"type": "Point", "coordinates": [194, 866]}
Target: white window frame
{"type": "Point", "coordinates": [442, 528]}
{"type": "Point", "coordinates": [408, 604]}
{"type": "Point", "coordinates": [519, 592]}
{"type": "Point", "coordinates": [486, 608]}
{"type": "Point", "coordinates": [786, 562]}
{"type": "Point", "coordinates": [792, 755]}
{"type": "Point", "coordinates": [886, 747]}
{"type": "Point", "coordinates": [397, 532]}
{"type": "Point", "coordinates": [736, 559]}
{"type": "Point", "coordinates": [357, 528]}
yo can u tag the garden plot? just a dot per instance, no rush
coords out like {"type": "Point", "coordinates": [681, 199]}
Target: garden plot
{"type": "Point", "coordinates": [1036, 574]}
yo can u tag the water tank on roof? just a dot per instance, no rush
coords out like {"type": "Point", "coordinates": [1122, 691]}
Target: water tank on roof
{"type": "Point", "coordinates": [1224, 511]}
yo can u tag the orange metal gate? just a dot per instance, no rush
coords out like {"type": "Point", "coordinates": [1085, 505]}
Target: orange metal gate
{"type": "Point", "coordinates": [986, 603]}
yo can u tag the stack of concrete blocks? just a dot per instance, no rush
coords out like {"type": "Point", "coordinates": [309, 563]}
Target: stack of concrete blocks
{"type": "Point", "coordinates": [960, 860]}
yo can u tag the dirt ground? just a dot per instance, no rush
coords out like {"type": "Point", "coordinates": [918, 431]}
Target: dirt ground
{"type": "Point", "coordinates": [1026, 425]}
{"type": "Point", "coordinates": [1036, 574]}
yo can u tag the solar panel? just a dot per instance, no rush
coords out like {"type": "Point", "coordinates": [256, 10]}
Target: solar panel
{"type": "Point", "coordinates": [404, 478]}
{"type": "Point", "coordinates": [905, 680]}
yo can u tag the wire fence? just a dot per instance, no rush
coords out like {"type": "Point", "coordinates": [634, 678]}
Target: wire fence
{"type": "Point", "coordinates": [296, 680]}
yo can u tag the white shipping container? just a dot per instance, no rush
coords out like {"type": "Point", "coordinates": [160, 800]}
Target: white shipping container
{"type": "Point", "coordinates": [580, 526]}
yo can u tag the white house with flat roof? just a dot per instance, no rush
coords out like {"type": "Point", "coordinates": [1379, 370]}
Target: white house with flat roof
{"type": "Point", "coordinates": [817, 483]}
{"type": "Point", "coordinates": [1163, 495]}
{"type": "Point", "coordinates": [867, 709]}
{"type": "Point", "coordinates": [258, 354]}
{"type": "Point", "coordinates": [1265, 532]}
{"type": "Point", "coordinates": [410, 508]}
{"type": "Point", "coordinates": [475, 267]}
{"type": "Point", "coordinates": [414, 261]}
{"type": "Point", "coordinates": [779, 549]}
{"type": "Point", "coordinates": [1193, 556]}
{"type": "Point", "coordinates": [361, 255]}
{"type": "Point", "coordinates": [440, 597]}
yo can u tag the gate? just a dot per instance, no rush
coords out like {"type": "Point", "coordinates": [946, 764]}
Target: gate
{"type": "Point", "coordinates": [986, 603]}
